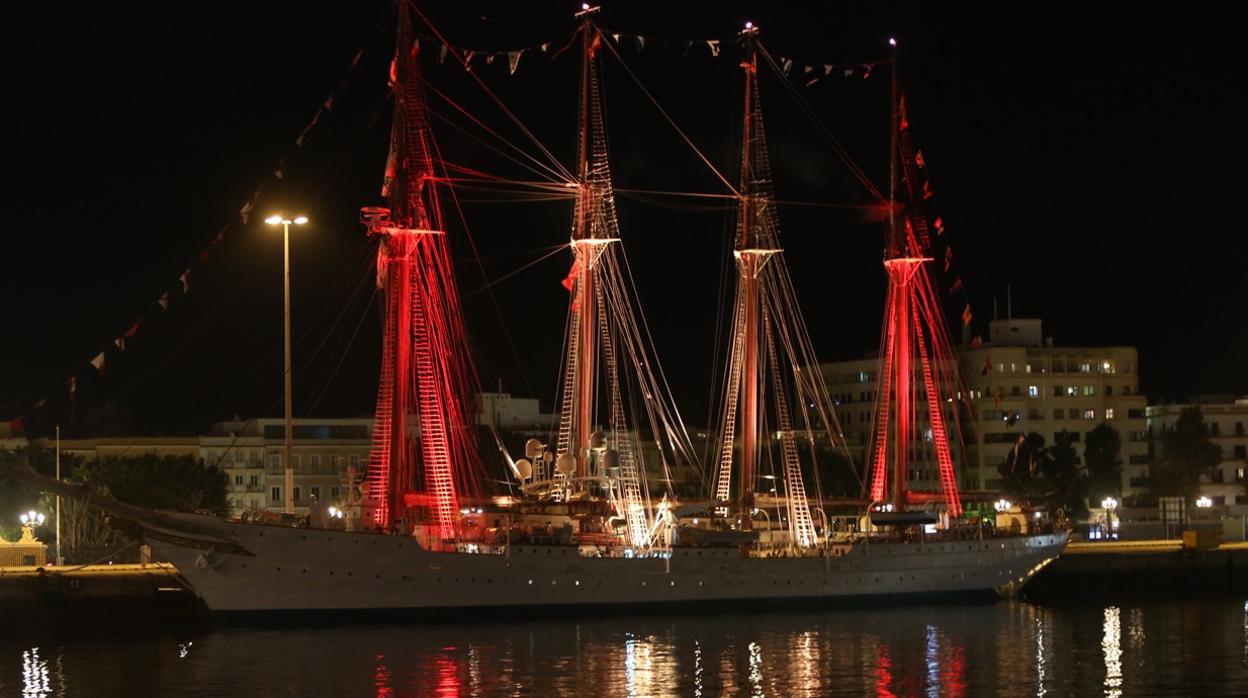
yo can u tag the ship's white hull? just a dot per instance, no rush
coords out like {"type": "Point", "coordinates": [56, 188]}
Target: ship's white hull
{"type": "Point", "coordinates": [296, 571]}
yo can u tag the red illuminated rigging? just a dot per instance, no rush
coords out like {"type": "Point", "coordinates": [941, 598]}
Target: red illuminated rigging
{"type": "Point", "coordinates": [424, 372]}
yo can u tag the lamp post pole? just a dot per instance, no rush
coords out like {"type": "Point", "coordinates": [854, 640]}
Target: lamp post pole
{"type": "Point", "coordinates": [288, 446]}
{"type": "Point", "coordinates": [60, 559]}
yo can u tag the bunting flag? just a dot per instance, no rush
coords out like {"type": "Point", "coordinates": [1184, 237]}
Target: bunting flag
{"type": "Point", "coordinates": [788, 65]}
{"type": "Point", "coordinates": [569, 281]}
{"type": "Point", "coordinates": [918, 159]}
{"type": "Point", "coordinates": [98, 363]}
{"type": "Point", "coordinates": [132, 331]}
{"type": "Point", "coordinates": [957, 284]}
{"type": "Point", "coordinates": [513, 60]}
{"type": "Point", "coordinates": [245, 212]}
{"type": "Point", "coordinates": [966, 316]}
{"type": "Point", "coordinates": [641, 43]}
{"type": "Point", "coordinates": [442, 53]}
{"type": "Point", "coordinates": [948, 258]}
{"type": "Point", "coordinates": [163, 301]}
{"type": "Point", "coordinates": [185, 279]}
{"type": "Point", "coordinates": [714, 45]}
{"type": "Point", "coordinates": [120, 343]}
{"type": "Point", "coordinates": [939, 225]}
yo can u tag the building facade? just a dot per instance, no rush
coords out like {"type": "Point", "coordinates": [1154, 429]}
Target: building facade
{"type": "Point", "coordinates": [1016, 383]}
{"type": "Point", "coordinates": [1226, 422]}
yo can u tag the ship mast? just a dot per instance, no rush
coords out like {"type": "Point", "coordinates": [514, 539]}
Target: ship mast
{"type": "Point", "coordinates": [916, 358]}
{"type": "Point", "coordinates": [424, 372]}
{"type": "Point", "coordinates": [750, 260]}
{"type": "Point", "coordinates": [586, 247]}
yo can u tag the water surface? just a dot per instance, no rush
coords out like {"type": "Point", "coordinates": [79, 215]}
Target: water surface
{"type": "Point", "coordinates": [1014, 648]}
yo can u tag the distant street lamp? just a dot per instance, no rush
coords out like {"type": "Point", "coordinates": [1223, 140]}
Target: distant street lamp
{"type": "Point", "coordinates": [32, 518]}
{"type": "Point", "coordinates": [1204, 503]}
{"type": "Point", "coordinates": [288, 445]}
{"type": "Point", "coordinates": [1002, 505]}
{"type": "Point", "coordinates": [1109, 504]}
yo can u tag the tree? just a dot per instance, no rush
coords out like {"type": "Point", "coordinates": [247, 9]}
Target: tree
{"type": "Point", "coordinates": [1070, 487]}
{"type": "Point", "coordinates": [1102, 454]}
{"type": "Point", "coordinates": [168, 482]}
{"type": "Point", "coordinates": [1024, 464]}
{"type": "Point", "coordinates": [1187, 452]}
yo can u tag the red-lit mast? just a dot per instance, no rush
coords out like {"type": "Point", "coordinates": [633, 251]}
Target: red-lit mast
{"type": "Point", "coordinates": [913, 322]}
{"type": "Point", "coordinates": [424, 372]}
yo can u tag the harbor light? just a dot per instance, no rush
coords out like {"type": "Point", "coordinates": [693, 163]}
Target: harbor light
{"type": "Point", "coordinates": [32, 518]}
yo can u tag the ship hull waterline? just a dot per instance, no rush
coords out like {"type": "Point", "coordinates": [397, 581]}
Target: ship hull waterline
{"type": "Point", "coordinates": [300, 573]}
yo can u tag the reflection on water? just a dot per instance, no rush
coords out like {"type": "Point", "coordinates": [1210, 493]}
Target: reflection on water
{"type": "Point", "coordinates": [1111, 647]}
{"type": "Point", "coordinates": [35, 680]}
{"type": "Point", "coordinates": [1009, 648]}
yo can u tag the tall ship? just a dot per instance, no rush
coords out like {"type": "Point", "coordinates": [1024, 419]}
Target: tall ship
{"type": "Point", "coordinates": [590, 520]}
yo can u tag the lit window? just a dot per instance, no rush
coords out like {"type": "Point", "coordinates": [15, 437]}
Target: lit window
{"type": "Point", "coordinates": [1089, 414]}
{"type": "Point", "coordinates": [316, 492]}
{"type": "Point", "coordinates": [1089, 390]}
{"type": "Point", "coordinates": [1033, 391]}
{"type": "Point", "coordinates": [1072, 391]}
{"type": "Point", "coordinates": [1109, 413]}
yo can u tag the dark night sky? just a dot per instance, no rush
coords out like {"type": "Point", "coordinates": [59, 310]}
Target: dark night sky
{"type": "Point", "coordinates": [1089, 155]}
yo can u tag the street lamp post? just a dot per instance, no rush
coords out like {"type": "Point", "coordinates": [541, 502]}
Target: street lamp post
{"type": "Point", "coordinates": [1110, 504]}
{"type": "Point", "coordinates": [288, 444]}
{"type": "Point", "coordinates": [29, 520]}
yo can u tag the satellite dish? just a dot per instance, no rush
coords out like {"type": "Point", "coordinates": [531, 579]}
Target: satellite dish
{"type": "Point", "coordinates": [524, 468]}
{"type": "Point", "coordinates": [532, 448]}
{"type": "Point", "coordinates": [597, 440]}
{"type": "Point", "coordinates": [565, 464]}
{"type": "Point", "coordinates": [610, 458]}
